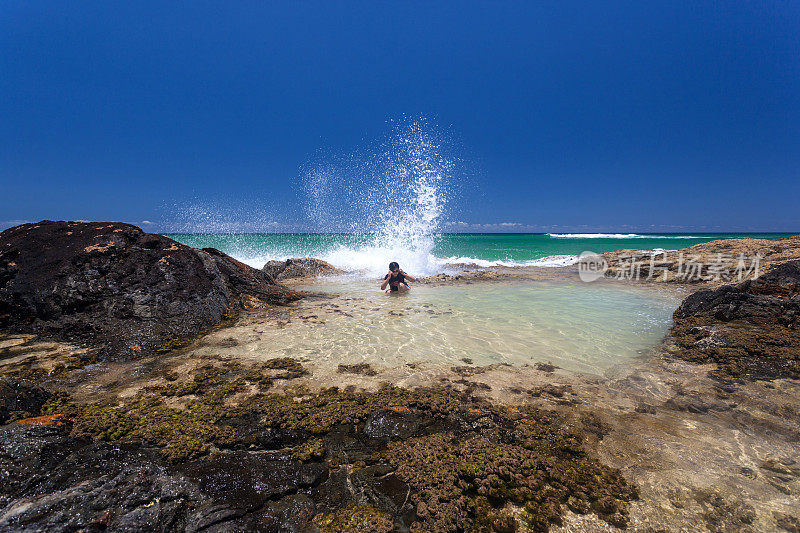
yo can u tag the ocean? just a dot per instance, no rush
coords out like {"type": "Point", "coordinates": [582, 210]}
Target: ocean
{"type": "Point", "coordinates": [431, 253]}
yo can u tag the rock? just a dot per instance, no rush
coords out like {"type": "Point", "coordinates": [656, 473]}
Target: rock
{"type": "Point", "coordinates": [393, 423]}
{"type": "Point", "coordinates": [773, 296]}
{"type": "Point", "coordinates": [546, 367]}
{"type": "Point", "coordinates": [787, 522]}
{"type": "Point", "coordinates": [676, 265]}
{"type": "Point", "coordinates": [20, 396]}
{"type": "Point", "coordinates": [300, 267]}
{"type": "Point", "coordinates": [749, 329]}
{"type": "Point", "coordinates": [358, 368]}
{"type": "Point", "coordinates": [578, 505]}
{"type": "Point", "coordinates": [252, 479]}
{"type": "Point", "coordinates": [291, 514]}
{"type": "Point", "coordinates": [376, 486]}
{"type": "Point", "coordinates": [113, 286]}
{"type": "Point", "coordinates": [390, 460]}
{"type": "Point", "coordinates": [50, 481]}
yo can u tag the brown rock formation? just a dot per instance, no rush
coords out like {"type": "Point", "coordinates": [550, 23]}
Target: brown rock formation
{"type": "Point", "coordinates": [299, 267]}
{"type": "Point", "coordinates": [114, 286]}
{"type": "Point", "coordinates": [749, 329]}
{"type": "Point", "coordinates": [715, 261]}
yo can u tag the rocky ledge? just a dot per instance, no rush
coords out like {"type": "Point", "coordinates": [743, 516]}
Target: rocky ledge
{"type": "Point", "coordinates": [217, 450]}
{"type": "Point", "coordinates": [115, 287]}
{"type": "Point", "coordinates": [749, 329]}
{"type": "Point", "coordinates": [713, 262]}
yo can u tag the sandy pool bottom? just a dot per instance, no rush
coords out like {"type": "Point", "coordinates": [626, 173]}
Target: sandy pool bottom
{"type": "Point", "coordinates": [587, 328]}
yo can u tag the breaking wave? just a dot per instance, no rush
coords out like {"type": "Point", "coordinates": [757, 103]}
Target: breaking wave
{"type": "Point", "coordinates": [393, 195]}
{"type": "Point", "coordinates": [617, 236]}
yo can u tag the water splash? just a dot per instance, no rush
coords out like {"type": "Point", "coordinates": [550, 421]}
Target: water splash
{"type": "Point", "coordinates": [392, 198]}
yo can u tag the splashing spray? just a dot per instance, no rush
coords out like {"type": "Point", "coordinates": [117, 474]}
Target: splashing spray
{"type": "Point", "coordinates": [392, 200]}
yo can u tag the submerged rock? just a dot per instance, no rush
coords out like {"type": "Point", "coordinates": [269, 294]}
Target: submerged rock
{"type": "Point", "coordinates": [299, 267]}
{"type": "Point", "coordinates": [114, 286]}
{"type": "Point", "coordinates": [358, 368]}
{"type": "Point", "coordinates": [747, 329]}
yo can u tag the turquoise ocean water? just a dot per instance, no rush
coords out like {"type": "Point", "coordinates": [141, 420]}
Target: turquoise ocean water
{"type": "Point", "coordinates": [437, 252]}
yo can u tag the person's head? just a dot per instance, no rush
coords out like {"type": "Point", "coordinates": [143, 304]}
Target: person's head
{"type": "Point", "coordinates": [394, 267]}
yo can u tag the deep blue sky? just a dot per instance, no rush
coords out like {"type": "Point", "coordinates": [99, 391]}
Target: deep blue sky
{"type": "Point", "coordinates": [569, 115]}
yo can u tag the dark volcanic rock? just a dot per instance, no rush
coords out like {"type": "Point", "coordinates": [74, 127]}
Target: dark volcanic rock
{"type": "Point", "coordinates": [299, 267]}
{"type": "Point", "coordinates": [50, 481]}
{"type": "Point", "coordinates": [250, 479]}
{"type": "Point", "coordinates": [774, 296]}
{"type": "Point", "coordinates": [747, 329]}
{"type": "Point", "coordinates": [20, 396]}
{"type": "Point", "coordinates": [428, 459]}
{"type": "Point", "coordinates": [393, 424]}
{"type": "Point", "coordinates": [115, 286]}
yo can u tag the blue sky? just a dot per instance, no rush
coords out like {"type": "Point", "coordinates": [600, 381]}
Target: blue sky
{"type": "Point", "coordinates": [663, 116]}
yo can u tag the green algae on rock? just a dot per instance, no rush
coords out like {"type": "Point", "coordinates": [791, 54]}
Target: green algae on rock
{"type": "Point", "coordinates": [313, 449]}
{"type": "Point", "coordinates": [464, 460]}
{"type": "Point", "coordinates": [534, 461]}
{"type": "Point", "coordinates": [355, 518]}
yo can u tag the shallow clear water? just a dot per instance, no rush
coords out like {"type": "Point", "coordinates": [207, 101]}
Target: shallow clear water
{"type": "Point", "coordinates": [580, 327]}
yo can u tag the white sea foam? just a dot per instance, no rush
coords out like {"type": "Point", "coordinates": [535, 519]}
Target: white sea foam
{"type": "Point", "coordinates": [556, 261]}
{"type": "Point", "coordinates": [371, 260]}
{"type": "Point", "coordinates": [617, 236]}
{"type": "Point", "coordinates": [549, 261]}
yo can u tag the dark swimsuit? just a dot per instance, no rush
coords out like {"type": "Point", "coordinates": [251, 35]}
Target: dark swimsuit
{"type": "Point", "coordinates": [394, 283]}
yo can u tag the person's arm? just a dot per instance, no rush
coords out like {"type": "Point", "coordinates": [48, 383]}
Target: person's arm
{"type": "Point", "coordinates": [409, 276]}
{"type": "Point", "coordinates": [385, 282]}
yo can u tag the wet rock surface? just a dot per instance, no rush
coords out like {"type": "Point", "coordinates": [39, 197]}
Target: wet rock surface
{"type": "Point", "coordinates": [113, 286]}
{"type": "Point", "coordinates": [52, 481]}
{"type": "Point", "coordinates": [394, 423]}
{"type": "Point", "coordinates": [299, 267]}
{"type": "Point", "coordinates": [750, 330]}
{"type": "Point", "coordinates": [250, 480]}
{"type": "Point", "coordinates": [20, 398]}
{"type": "Point", "coordinates": [227, 458]}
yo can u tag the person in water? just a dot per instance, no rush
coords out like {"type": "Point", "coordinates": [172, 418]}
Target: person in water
{"type": "Point", "coordinates": [396, 279]}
